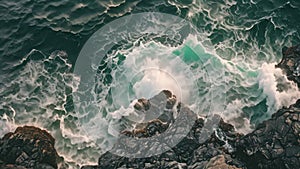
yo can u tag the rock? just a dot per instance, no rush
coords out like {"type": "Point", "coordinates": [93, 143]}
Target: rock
{"type": "Point", "coordinates": [89, 167]}
{"type": "Point", "coordinates": [274, 144]}
{"type": "Point", "coordinates": [158, 112]}
{"type": "Point", "coordinates": [28, 147]}
{"type": "Point", "coordinates": [188, 153]}
{"type": "Point", "coordinates": [290, 63]}
{"type": "Point", "coordinates": [218, 162]}
{"type": "Point", "coordinates": [142, 104]}
{"type": "Point", "coordinates": [11, 166]}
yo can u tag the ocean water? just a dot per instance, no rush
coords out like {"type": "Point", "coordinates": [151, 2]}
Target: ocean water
{"type": "Point", "coordinates": [227, 61]}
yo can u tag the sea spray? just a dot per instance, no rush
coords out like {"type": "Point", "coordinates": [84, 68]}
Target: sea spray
{"type": "Point", "coordinates": [246, 44]}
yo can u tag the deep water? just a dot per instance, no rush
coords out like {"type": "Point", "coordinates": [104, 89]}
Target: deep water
{"type": "Point", "coordinates": [235, 49]}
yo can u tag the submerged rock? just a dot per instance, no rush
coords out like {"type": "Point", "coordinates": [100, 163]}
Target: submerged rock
{"type": "Point", "coordinates": [28, 147]}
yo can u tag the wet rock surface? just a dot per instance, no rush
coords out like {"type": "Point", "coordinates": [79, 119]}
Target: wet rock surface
{"type": "Point", "coordinates": [28, 147]}
{"type": "Point", "coordinates": [275, 143]}
{"type": "Point", "coordinates": [159, 114]}
{"type": "Point", "coordinates": [189, 152]}
{"type": "Point", "coordinates": [290, 63]}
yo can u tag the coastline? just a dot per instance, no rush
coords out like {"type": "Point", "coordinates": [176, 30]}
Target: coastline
{"type": "Point", "coordinates": [275, 143]}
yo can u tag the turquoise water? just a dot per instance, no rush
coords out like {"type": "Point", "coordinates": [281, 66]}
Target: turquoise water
{"type": "Point", "coordinates": [40, 42]}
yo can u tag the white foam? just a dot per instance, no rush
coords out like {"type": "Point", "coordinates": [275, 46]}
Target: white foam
{"type": "Point", "coordinates": [273, 86]}
{"type": "Point", "coordinates": [233, 114]}
{"type": "Point", "coordinates": [151, 67]}
{"type": "Point", "coordinates": [269, 80]}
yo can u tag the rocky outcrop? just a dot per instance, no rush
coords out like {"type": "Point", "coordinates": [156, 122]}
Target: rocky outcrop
{"type": "Point", "coordinates": [219, 162]}
{"type": "Point", "coordinates": [290, 63]}
{"type": "Point", "coordinates": [158, 115]}
{"type": "Point", "coordinates": [273, 144]}
{"type": "Point", "coordinates": [28, 147]}
{"type": "Point", "coordinates": [190, 152]}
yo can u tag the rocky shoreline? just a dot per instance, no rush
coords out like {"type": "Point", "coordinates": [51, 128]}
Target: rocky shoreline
{"type": "Point", "coordinates": [275, 143]}
{"type": "Point", "coordinates": [28, 147]}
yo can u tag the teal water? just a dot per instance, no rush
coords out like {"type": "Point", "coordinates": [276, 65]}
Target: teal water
{"type": "Point", "coordinates": [41, 40]}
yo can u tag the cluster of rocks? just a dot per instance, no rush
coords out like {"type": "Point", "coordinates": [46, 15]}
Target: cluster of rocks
{"type": "Point", "coordinates": [190, 152]}
{"type": "Point", "coordinates": [155, 121]}
{"type": "Point", "coordinates": [275, 143]}
{"type": "Point", "coordinates": [290, 63]}
{"type": "Point", "coordinates": [28, 147]}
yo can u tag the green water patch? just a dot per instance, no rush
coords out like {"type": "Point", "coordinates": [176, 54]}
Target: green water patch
{"type": "Point", "coordinates": [256, 112]}
{"type": "Point", "coordinates": [192, 54]}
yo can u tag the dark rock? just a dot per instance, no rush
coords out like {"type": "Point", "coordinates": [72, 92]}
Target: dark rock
{"type": "Point", "coordinates": [11, 166]}
{"type": "Point", "coordinates": [158, 113]}
{"type": "Point", "coordinates": [290, 63]}
{"type": "Point", "coordinates": [190, 152]}
{"type": "Point", "coordinates": [219, 162]}
{"type": "Point", "coordinates": [274, 144]}
{"type": "Point", "coordinates": [90, 167]}
{"type": "Point", "coordinates": [142, 104]}
{"type": "Point", "coordinates": [28, 147]}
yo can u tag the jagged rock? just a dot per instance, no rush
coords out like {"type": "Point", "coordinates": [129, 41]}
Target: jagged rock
{"type": "Point", "coordinates": [274, 144]}
{"type": "Point", "coordinates": [190, 152]}
{"type": "Point", "coordinates": [11, 166]}
{"type": "Point", "coordinates": [290, 63]}
{"type": "Point", "coordinates": [28, 147]}
{"type": "Point", "coordinates": [158, 113]}
{"type": "Point", "coordinates": [219, 162]}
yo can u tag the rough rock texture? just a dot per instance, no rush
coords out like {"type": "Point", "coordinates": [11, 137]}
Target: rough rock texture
{"type": "Point", "coordinates": [158, 112]}
{"type": "Point", "coordinates": [290, 63]}
{"type": "Point", "coordinates": [190, 152]}
{"type": "Point", "coordinates": [28, 147]}
{"type": "Point", "coordinates": [219, 162]}
{"type": "Point", "coordinates": [274, 144]}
